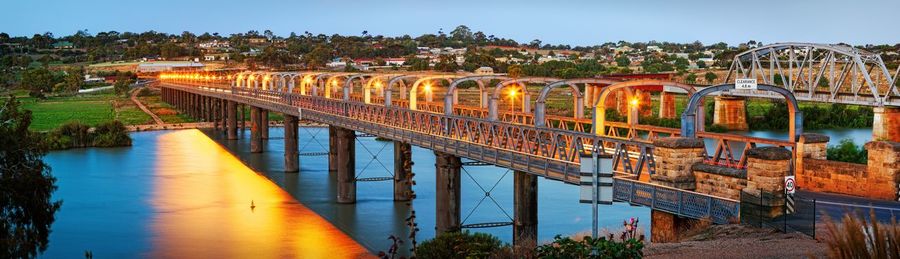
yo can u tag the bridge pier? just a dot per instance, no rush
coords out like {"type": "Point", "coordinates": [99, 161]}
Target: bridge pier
{"type": "Point", "coordinates": [403, 171]}
{"type": "Point", "coordinates": [645, 103]}
{"type": "Point", "coordinates": [214, 112]}
{"type": "Point", "coordinates": [675, 156]}
{"type": "Point", "coordinates": [256, 143]}
{"type": "Point", "coordinates": [232, 120]}
{"type": "Point", "coordinates": [264, 123]}
{"type": "Point", "coordinates": [447, 192]}
{"type": "Point", "coordinates": [666, 105]}
{"type": "Point", "coordinates": [731, 112]}
{"type": "Point", "coordinates": [223, 115]}
{"type": "Point", "coordinates": [243, 118]}
{"type": "Point", "coordinates": [332, 149]}
{"type": "Point", "coordinates": [764, 198]}
{"type": "Point", "coordinates": [346, 165]}
{"type": "Point", "coordinates": [291, 156]}
{"type": "Point", "coordinates": [886, 125]}
{"type": "Point", "coordinates": [525, 199]}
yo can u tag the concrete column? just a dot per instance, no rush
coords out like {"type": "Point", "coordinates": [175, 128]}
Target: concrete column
{"type": "Point", "coordinates": [214, 112]}
{"type": "Point", "coordinates": [256, 143]}
{"type": "Point", "coordinates": [645, 104]}
{"type": "Point", "coordinates": [667, 105]}
{"type": "Point", "coordinates": [264, 124]}
{"type": "Point", "coordinates": [346, 165]}
{"type": "Point", "coordinates": [526, 209]}
{"type": "Point", "coordinates": [402, 171]}
{"type": "Point", "coordinates": [243, 117]}
{"type": "Point", "coordinates": [886, 125]}
{"type": "Point", "coordinates": [622, 102]}
{"type": "Point", "coordinates": [223, 114]}
{"type": "Point", "coordinates": [447, 192]}
{"type": "Point", "coordinates": [332, 149]}
{"type": "Point", "coordinates": [730, 112]}
{"type": "Point", "coordinates": [232, 120]}
{"type": "Point", "coordinates": [291, 156]}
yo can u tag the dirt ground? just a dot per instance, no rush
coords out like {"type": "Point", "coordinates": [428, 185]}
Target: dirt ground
{"type": "Point", "coordinates": [736, 241]}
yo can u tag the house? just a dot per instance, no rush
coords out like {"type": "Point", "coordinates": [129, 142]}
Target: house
{"type": "Point", "coordinates": [484, 70]}
{"type": "Point", "coordinates": [63, 45]}
{"type": "Point", "coordinates": [215, 44]}
{"type": "Point", "coordinates": [217, 56]}
{"type": "Point", "coordinates": [257, 40]}
{"type": "Point", "coordinates": [336, 63]}
{"type": "Point", "coordinates": [654, 48]}
{"type": "Point", "coordinates": [395, 61]}
{"type": "Point", "coordinates": [91, 79]}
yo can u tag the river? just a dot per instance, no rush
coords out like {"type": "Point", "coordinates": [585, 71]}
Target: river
{"type": "Point", "coordinates": [189, 192]}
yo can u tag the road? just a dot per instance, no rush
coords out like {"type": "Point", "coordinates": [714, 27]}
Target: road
{"type": "Point", "coordinates": [836, 205]}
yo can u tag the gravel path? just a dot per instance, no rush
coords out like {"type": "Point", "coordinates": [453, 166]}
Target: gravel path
{"type": "Point", "coordinates": [735, 241]}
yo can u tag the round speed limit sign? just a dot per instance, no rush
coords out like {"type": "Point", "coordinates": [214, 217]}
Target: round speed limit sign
{"type": "Point", "coordinates": [789, 185]}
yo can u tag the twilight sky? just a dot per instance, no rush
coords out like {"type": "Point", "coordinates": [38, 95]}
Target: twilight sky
{"type": "Point", "coordinates": [575, 22]}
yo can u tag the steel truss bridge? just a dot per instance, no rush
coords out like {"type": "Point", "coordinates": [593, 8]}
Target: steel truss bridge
{"type": "Point", "coordinates": [390, 106]}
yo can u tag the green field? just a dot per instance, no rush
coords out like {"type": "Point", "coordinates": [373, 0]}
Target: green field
{"type": "Point", "coordinates": [89, 109]}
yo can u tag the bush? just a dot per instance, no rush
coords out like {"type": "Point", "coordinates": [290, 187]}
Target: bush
{"type": "Point", "coordinates": [718, 128]}
{"type": "Point", "coordinates": [111, 134]}
{"type": "Point", "coordinates": [847, 151]}
{"type": "Point", "coordinates": [629, 244]}
{"type": "Point", "coordinates": [460, 245]}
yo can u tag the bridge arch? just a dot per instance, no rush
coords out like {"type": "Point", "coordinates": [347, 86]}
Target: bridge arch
{"type": "Point", "coordinates": [688, 118]}
{"type": "Point", "coordinates": [395, 79]}
{"type": "Point", "coordinates": [600, 104]}
{"type": "Point", "coordinates": [494, 102]}
{"type": "Point", "coordinates": [414, 90]}
{"type": "Point", "coordinates": [451, 99]}
{"type": "Point", "coordinates": [541, 104]}
{"type": "Point", "coordinates": [348, 84]}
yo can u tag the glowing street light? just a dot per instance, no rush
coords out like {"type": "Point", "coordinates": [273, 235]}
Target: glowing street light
{"type": "Point", "coordinates": [634, 102]}
{"type": "Point", "coordinates": [427, 87]}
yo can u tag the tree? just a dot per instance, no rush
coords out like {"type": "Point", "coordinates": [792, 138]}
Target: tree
{"type": "Point", "coordinates": [622, 61]}
{"type": "Point", "coordinates": [710, 77]}
{"type": "Point", "coordinates": [74, 79]}
{"type": "Point", "coordinates": [691, 78]}
{"type": "Point", "coordinates": [318, 57]}
{"type": "Point", "coordinates": [26, 186]}
{"type": "Point", "coordinates": [514, 71]}
{"type": "Point", "coordinates": [123, 81]}
{"type": "Point", "coordinates": [38, 81]}
{"type": "Point", "coordinates": [461, 33]}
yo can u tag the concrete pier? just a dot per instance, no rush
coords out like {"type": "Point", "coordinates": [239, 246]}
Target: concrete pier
{"type": "Point", "coordinates": [291, 156]}
{"type": "Point", "coordinates": [525, 200]}
{"type": "Point", "coordinates": [264, 124]}
{"type": "Point", "coordinates": [402, 171]}
{"type": "Point", "coordinates": [346, 165]}
{"type": "Point", "coordinates": [256, 143]}
{"type": "Point", "coordinates": [667, 105]}
{"type": "Point", "coordinates": [332, 149]}
{"type": "Point", "coordinates": [886, 125]}
{"type": "Point", "coordinates": [730, 112]}
{"type": "Point", "coordinates": [232, 120]}
{"type": "Point", "coordinates": [447, 192]}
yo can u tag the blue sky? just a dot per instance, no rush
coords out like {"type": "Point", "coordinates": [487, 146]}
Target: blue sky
{"type": "Point", "coordinates": [557, 22]}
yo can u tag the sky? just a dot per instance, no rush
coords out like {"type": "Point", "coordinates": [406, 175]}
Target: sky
{"type": "Point", "coordinates": [576, 22]}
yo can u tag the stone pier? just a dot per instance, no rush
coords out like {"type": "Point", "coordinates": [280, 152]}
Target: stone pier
{"type": "Point", "coordinates": [764, 198]}
{"type": "Point", "coordinates": [676, 156]}
{"type": "Point", "coordinates": [346, 165]}
{"type": "Point", "coordinates": [264, 124]}
{"type": "Point", "coordinates": [886, 125]}
{"type": "Point", "coordinates": [291, 156]}
{"type": "Point", "coordinates": [731, 112]}
{"type": "Point", "coordinates": [332, 149]}
{"type": "Point", "coordinates": [525, 199]}
{"type": "Point", "coordinates": [447, 192]}
{"type": "Point", "coordinates": [403, 171]}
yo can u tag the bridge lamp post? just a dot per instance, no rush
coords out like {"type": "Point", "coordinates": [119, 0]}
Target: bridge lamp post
{"type": "Point", "coordinates": [512, 99]}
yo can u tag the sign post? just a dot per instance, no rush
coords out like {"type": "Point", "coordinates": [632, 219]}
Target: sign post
{"type": "Point", "coordinates": [596, 184]}
{"type": "Point", "coordinates": [790, 186]}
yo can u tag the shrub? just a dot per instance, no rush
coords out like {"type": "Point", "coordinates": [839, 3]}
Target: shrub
{"type": "Point", "coordinates": [862, 237]}
{"type": "Point", "coordinates": [847, 151]}
{"type": "Point", "coordinates": [629, 244]}
{"type": "Point", "coordinates": [111, 134]}
{"type": "Point", "coordinates": [460, 245]}
{"type": "Point", "coordinates": [718, 128]}
{"type": "Point", "coordinates": [70, 135]}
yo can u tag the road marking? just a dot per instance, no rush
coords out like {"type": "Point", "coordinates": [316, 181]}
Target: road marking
{"type": "Point", "coordinates": [857, 205]}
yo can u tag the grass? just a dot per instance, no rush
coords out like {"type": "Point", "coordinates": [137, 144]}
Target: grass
{"type": "Point", "coordinates": [90, 109]}
{"type": "Point", "coordinates": [856, 236]}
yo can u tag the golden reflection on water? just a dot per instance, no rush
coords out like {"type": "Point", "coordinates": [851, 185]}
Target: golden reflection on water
{"type": "Point", "coordinates": [203, 194]}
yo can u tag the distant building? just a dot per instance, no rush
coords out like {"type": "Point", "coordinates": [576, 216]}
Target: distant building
{"type": "Point", "coordinates": [394, 61]}
{"type": "Point", "coordinates": [63, 45]}
{"type": "Point", "coordinates": [215, 44]}
{"type": "Point", "coordinates": [654, 48]}
{"type": "Point", "coordinates": [484, 70]}
{"type": "Point", "coordinates": [258, 40]}
{"type": "Point", "coordinates": [160, 66]}
{"type": "Point", "coordinates": [216, 57]}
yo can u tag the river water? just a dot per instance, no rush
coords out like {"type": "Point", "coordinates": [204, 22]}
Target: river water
{"type": "Point", "coordinates": [188, 193]}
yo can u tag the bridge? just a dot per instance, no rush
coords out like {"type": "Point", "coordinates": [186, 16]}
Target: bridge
{"type": "Point", "coordinates": [684, 173]}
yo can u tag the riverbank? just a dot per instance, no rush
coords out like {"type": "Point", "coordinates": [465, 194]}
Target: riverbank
{"type": "Point", "coordinates": [738, 241]}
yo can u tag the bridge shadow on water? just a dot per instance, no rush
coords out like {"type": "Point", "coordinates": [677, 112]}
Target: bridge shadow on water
{"type": "Point", "coordinates": [376, 216]}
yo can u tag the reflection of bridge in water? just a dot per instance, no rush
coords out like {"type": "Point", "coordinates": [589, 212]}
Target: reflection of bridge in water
{"type": "Point", "coordinates": [656, 166]}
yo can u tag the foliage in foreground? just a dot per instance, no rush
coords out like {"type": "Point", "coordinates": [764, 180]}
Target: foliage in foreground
{"type": "Point", "coordinates": [862, 237]}
{"type": "Point", "coordinates": [847, 151]}
{"type": "Point", "coordinates": [79, 135]}
{"type": "Point", "coordinates": [628, 244]}
{"type": "Point", "coordinates": [26, 186]}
